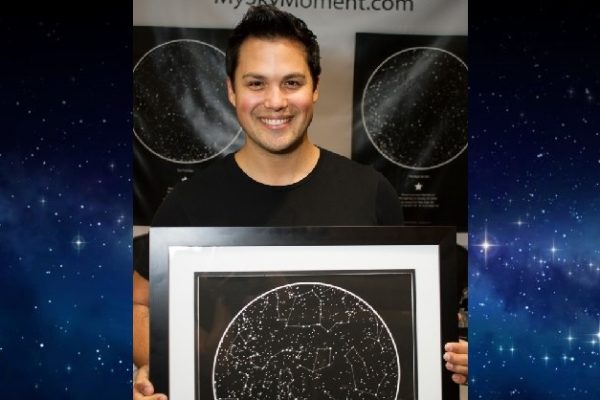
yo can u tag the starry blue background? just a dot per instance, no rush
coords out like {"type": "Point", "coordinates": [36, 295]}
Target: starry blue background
{"type": "Point", "coordinates": [65, 207]}
{"type": "Point", "coordinates": [534, 202]}
{"type": "Point", "coordinates": [65, 174]}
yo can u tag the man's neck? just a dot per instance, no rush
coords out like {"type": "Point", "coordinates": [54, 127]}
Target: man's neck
{"type": "Point", "coordinates": [278, 169]}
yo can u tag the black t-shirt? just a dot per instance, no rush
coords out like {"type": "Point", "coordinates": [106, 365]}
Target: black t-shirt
{"type": "Point", "coordinates": [337, 192]}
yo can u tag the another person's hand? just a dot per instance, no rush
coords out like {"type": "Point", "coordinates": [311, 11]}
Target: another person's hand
{"type": "Point", "coordinates": [142, 387]}
{"type": "Point", "coordinates": [457, 360]}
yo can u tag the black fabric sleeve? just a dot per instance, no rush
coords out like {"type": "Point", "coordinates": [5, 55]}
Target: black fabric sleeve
{"type": "Point", "coordinates": [388, 206]}
{"type": "Point", "coordinates": [141, 250]}
{"type": "Point", "coordinates": [172, 210]}
{"type": "Point", "coordinates": [170, 213]}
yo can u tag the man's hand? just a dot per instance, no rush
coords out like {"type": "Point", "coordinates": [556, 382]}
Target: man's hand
{"type": "Point", "coordinates": [457, 360]}
{"type": "Point", "coordinates": [143, 389]}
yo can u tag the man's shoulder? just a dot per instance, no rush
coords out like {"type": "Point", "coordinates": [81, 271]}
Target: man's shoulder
{"type": "Point", "coordinates": [211, 175]}
{"type": "Point", "coordinates": [338, 164]}
{"type": "Point", "coordinates": [197, 194]}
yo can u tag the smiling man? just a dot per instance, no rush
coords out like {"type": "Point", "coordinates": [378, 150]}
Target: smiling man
{"type": "Point", "coordinates": [274, 93]}
{"type": "Point", "coordinates": [278, 178]}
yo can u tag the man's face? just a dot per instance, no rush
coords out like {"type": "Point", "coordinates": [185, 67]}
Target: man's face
{"type": "Point", "coordinates": [273, 94]}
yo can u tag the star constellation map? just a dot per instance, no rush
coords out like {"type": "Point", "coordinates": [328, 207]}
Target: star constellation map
{"type": "Point", "coordinates": [180, 99]}
{"type": "Point", "coordinates": [534, 177]}
{"type": "Point", "coordinates": [417, 99]}
{"type": "Point", "coordinates": [307, 340]}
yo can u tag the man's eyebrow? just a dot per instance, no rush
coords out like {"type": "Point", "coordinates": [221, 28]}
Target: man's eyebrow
{"type": "Point", "coordinates": [294, 75]}
{"type": "Point", "coordinates": [252, 75]}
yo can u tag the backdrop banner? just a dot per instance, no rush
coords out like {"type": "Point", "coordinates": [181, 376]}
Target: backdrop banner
{"type": "Point", "coordinates": [415, 50]}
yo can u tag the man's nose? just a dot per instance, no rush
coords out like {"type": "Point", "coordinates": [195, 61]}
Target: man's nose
{"type": "Point", "coordinates": [275, 98]}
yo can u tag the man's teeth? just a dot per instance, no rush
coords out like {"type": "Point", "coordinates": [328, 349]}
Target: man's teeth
{"type": "Point", "coordinates": [273, 121]}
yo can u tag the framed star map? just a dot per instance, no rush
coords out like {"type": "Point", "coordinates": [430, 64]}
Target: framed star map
{"type": "Point", "coordinates": [303, 312]}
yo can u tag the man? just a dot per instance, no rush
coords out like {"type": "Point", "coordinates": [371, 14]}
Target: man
{"type": "Point", "coordinates": [278, 178]}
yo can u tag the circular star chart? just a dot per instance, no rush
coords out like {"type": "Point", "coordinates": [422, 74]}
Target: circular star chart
{"type": "Point", "coordinates": [306, 341]}
{"type": "Point", "coordinates": [180, 105]}
{"type": "Point", "coordinates": [414, 108]}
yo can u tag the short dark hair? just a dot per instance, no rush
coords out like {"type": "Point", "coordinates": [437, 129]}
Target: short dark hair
{"type": "Point", "coordinates": [268, 22]}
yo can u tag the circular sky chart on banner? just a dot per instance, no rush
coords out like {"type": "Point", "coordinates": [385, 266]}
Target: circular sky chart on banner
{"type": "Point", "coordinates": [414, 108]}
{"type": "Point", "coordinates": [180, 105]}
{"type": "Point", "coordinates": [307, 341]}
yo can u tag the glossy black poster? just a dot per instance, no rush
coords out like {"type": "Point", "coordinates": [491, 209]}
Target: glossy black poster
{"type": "Point", "coordinates": [410, 121]}
{"type": "Point", "coordinates": [182, 118]}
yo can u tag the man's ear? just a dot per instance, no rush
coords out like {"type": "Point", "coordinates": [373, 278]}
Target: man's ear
{"type": "Point", "coordinates": [230, 92]}
{"type": "Point", "coordinates": [315, 95]}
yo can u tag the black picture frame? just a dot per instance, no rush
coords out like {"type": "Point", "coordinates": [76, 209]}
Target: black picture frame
{"type": "Point", "coordinates": [169, 246]}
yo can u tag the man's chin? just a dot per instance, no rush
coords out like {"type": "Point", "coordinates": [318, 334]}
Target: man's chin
{"type": "Point", "coordinates": [284, 148]}
{"type": "Point", "coordinates": [287, 149]}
